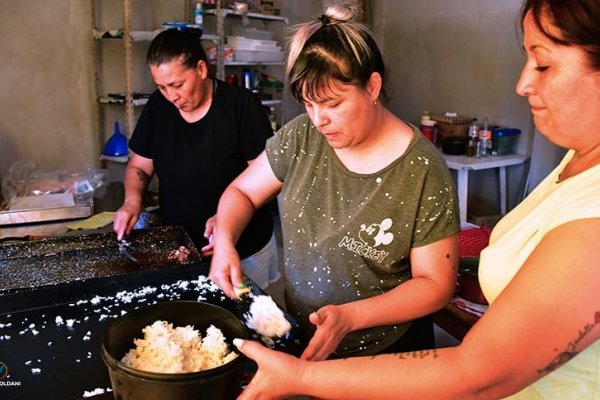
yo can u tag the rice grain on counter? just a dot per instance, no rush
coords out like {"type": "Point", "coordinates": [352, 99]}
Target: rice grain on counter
{"type": "Point", "coordinates": [165, 349]}
{"type": "Point", "coordinates": [266, 318]}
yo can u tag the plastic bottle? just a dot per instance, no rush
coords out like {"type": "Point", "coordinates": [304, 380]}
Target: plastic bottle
{"type": "Point", "coordinates": [199, 15]}
{"type": "Point", "coordinates": [248, 78]}
{"type": "Point", "coordinates": [425, 116]}
{"type": "Point", "coordinates": [427, 126]}
{"type": "Point", "coordinates": [485, 139]}
{"type": "Point", "coordinates": [473, 135]}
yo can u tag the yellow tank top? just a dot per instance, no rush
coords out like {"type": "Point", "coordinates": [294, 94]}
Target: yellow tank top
{"type": "Point", "coordinates": [551, 204]}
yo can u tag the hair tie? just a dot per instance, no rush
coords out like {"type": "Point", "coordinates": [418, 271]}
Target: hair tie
{"type": "Point", "coordinates": [324, 19]}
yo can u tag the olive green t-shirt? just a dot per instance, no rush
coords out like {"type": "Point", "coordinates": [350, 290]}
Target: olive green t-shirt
{"type": "Point", "coordinates": [348, 236]}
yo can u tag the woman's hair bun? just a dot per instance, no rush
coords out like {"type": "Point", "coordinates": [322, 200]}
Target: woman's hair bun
{"type": "Point", "coordinates": [342, 12]}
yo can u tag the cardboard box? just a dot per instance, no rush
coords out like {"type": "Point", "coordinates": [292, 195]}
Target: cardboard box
{"type": "Point", "coordinates": [269, 7]}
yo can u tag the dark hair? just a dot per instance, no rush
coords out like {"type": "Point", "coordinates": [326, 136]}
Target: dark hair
{"type": "Point", "coordinates": [332, 48]}
{"type": "Point", "coordinates": [578, 22]}
{"type": "Point", "coordinates": [174, 43]}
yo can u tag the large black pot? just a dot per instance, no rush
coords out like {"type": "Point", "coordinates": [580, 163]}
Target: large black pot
{"type": "Point", "coordinates": [128, 383]}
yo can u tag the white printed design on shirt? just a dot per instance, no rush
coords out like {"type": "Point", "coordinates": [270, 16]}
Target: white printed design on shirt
{"type": "Point", "coordinates": [369, 238]}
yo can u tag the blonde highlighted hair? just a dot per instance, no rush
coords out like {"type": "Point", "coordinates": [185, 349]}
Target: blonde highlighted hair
{"type": "Point", "coordinates": [334, 48]}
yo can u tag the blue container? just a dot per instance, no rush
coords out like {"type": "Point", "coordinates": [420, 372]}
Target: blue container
{"type": "Point", "coordinates": [504, 140]}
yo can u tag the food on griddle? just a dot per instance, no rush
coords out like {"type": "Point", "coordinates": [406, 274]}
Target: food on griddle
{"type": "Point", "coordinates": [165, 349]}
{"type": "Point", "coordinates": [180, 255]}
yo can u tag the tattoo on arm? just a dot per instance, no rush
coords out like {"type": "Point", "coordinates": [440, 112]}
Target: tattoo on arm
{"type": "Point", "coordinates": [417, 355]}
{"type": "Point", "coordinates": [142, 176]}
{"type": "Point", "coordinates": [570, 352]}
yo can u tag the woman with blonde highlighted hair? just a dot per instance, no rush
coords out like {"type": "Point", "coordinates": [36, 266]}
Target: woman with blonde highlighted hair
{"type": "Point", "coordinates": [368, 208]}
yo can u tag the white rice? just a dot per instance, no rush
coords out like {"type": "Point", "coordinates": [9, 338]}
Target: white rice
{"type": "Point", "coordinates": [166, 349]}
{"type": "Point", "coordinates": [266, 318]}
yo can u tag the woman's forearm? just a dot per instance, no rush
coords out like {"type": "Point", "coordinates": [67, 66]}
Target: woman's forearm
{"type": "Point", "coordinates": [419, 375]}
{"type": "Point", "coordinates": [410, 300]}
{"type": "Point", "coordinates": [233, 214]}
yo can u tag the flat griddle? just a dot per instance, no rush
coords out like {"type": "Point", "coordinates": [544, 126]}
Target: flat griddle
{"type": "Point", "coordinates": [56, 260]}
{"type": "Point", "coordinates": [50, 337]}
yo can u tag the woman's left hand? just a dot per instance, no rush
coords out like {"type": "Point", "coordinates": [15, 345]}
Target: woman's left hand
{"type": "Point", "coordinates": [332, 325]}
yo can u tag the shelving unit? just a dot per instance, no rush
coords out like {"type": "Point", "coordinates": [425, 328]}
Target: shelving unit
{"type": "Point", "coordinates": [222, 15]}
{"type": "Point", "coordinates": [126, 37]}
{"type": "Point", "coordinates": [119, 55]}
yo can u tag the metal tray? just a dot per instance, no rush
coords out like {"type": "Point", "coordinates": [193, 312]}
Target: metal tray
{"type": "Point", "coordinates": [50, 207]}
{"type": "Point", "coordinates": [51, 261]}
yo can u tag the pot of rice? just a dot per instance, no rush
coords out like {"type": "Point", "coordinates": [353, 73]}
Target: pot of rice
{"type": "Point", "coordinates": [174, 350]}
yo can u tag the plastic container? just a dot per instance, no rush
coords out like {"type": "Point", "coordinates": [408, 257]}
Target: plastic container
{"type": "Point", "coordinates": [199, 15]}
{"type": "Point", "coordinates": [258, 56]}
{"type": "Point", "coordinates": [504, 140]}
{"type": "Point", "coordinates": [128, 383]}
{"type": "Point", "coordinates": [455, 145]}
{"type": "Point", "coordinates": [428, 129]}
{"type": "Point", "coordinates": [242, 43]}
{"type": "Point", "coordinates": [252, 33]}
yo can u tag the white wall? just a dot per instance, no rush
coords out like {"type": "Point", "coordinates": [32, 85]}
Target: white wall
{"type": "Point", "coordinates": [46, 83]}
{"type": "Point", "coordinates": [463, 56]}
{"type": "Point", "coordinates": [459, 55]}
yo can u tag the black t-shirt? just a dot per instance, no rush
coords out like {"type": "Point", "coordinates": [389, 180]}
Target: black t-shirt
{"type": "Point", "coordinates": [196, 161]}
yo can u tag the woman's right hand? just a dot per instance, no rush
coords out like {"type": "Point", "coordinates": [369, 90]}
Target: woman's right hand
{"type": "Point", "coordinates": [225, 269]}
{"type": "Point", "coordinates": [126, 218]}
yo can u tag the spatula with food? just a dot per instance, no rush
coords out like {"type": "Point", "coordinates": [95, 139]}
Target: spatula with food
{"type": "Point", "coordinates": [261, 314]}
{"type": "Point", "coordinates": [243, 291]}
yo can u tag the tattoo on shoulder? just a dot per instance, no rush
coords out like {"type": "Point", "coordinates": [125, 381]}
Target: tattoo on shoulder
{"type": "Point", "coordinates": [142, 176]}
{"type": "Point", "coordinates": [570, 352]}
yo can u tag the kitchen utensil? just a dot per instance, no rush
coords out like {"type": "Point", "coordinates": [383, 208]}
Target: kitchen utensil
{"type": "Point", "coordinates": [247, 294]}
{"type": "Point", "coordinates": [117, 144]}
{"type": "Point", "coordinates": [223, 382]}
{"type": "Point", "coordinates": [244, 299]}
{"type": "Point", "coordinates": [124, 246]}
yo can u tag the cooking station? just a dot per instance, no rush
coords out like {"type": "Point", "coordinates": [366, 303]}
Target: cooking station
{"type": "Point", "coordinates": [59, 294]}
{"type": "Point", "coordinates": [50, 336]}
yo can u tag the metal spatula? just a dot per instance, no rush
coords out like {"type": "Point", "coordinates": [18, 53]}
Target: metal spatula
{"type": "Point", "coordinates": [244, 300]}
{"type": "Point", "coordinates": [124, 246]}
